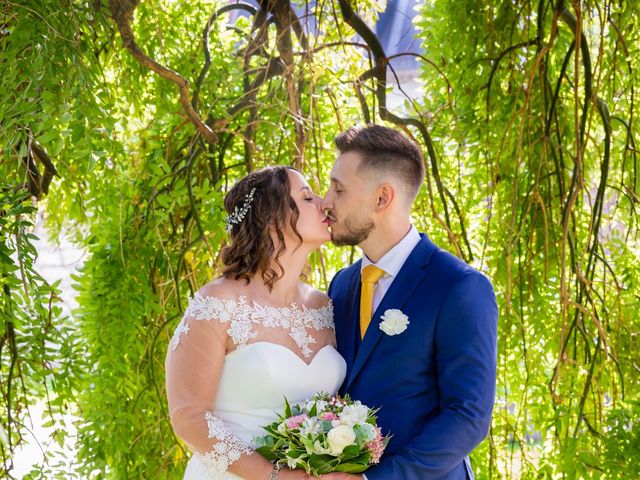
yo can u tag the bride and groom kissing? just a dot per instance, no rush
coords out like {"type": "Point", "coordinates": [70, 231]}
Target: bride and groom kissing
{"type": "Point", "coordinates": [409, 328]}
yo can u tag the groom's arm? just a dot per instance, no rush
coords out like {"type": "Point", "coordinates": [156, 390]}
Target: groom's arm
{"type": "Point", "coordinates": [465, 348]}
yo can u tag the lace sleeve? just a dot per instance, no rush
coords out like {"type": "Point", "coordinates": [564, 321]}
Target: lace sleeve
{"type": "Point", "coordinates": [228, 448]}
{"type": "Point", "coordinates": [224, 311]}
{"type": "Point", "coordinates": [193, 368]}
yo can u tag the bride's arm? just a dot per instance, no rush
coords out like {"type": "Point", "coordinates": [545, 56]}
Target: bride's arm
{"type": "Point", "coordinates": [193, 368]}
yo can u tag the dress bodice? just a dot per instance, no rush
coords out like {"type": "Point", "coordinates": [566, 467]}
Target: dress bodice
{"type": "Point", "coordinates": [256, 378]}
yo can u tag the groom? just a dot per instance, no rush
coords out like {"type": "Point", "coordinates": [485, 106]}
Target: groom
{"type": "Point", "coordinates": [416, 325]}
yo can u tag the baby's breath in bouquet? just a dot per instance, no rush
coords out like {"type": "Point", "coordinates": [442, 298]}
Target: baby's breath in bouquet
{"type": "Point", "coordinates": [325, 434]}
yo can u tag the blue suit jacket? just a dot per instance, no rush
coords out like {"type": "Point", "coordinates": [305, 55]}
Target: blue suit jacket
{"type": "Point", "coordinates": [435, 382]}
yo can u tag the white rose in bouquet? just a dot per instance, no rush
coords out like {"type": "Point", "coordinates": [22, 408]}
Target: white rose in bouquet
{"type": "Point", "coordinates": [340, 437]}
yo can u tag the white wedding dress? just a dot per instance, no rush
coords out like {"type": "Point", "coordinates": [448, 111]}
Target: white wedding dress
{"type": "Point", "coordinates": [218, 402]}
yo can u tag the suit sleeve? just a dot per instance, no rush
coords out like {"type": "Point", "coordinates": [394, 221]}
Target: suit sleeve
{"type": "Point", "coordinates": [465, 351]}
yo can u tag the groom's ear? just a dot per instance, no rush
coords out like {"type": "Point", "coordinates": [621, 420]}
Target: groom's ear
{"type": "Point", "coordinates": [386, 195]}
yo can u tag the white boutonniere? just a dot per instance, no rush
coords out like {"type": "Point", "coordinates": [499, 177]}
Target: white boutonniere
{"type": "Point", "coordinates": [394, 322]}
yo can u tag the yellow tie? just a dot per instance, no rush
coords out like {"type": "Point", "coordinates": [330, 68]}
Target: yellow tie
{"type": "Point", "coordinates": [370, 275]}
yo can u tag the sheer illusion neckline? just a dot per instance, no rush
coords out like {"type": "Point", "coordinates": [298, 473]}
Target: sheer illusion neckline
{"type": "Point", "coordinates": [243, 318]}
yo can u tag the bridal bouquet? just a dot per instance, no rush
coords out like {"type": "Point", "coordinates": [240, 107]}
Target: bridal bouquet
{"type": "Point", "coordinates": [326, 434]}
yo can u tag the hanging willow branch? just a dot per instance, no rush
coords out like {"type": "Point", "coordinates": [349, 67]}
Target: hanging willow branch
{"type": "Point", "coordinates": [379, 74]}
{"type": "Point", "coordinates": [122, 12]}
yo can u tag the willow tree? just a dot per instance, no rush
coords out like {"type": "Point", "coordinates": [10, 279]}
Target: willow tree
{"type": "Point", "coordinates": [536, 124]}
{"type": "Point", "coordinates": [129, 121]}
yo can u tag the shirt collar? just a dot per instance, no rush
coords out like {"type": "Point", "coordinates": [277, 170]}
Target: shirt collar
{"type": "Point", "coordinates": [392, 261]}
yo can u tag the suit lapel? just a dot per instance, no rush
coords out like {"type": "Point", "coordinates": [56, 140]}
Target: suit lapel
{"type": "Point", "coordinates": [409, 277]}
{"type": "Point", "coordinates": [351, 314]}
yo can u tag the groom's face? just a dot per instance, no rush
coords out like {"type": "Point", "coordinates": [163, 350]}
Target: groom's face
{"type": "Point", "coordinates": [348, 203]}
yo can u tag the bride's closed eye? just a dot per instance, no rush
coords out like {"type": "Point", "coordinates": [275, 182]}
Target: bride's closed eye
{"type": "Point", "coordinates": [310, 196]}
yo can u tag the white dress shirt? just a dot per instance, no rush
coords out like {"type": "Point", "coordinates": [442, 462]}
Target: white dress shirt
{"type": "Point", "coordinates": [391, 262]}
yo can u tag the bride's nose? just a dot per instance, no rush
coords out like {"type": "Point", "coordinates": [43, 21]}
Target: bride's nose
{"type": "Point", "coordinates": [325, 205]}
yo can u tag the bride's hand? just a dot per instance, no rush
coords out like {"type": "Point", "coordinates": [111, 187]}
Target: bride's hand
{"type": "Point", "coordinates": [286, 474]}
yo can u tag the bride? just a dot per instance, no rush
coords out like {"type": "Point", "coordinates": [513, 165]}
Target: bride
{"type": "Point", "coordinates": [255, 335]}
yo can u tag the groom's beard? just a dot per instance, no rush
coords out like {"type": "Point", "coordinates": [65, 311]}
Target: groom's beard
{"type": "Point", "coordinates": [355, 232]}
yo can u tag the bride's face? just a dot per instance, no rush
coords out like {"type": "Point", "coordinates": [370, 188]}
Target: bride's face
{"type": "Point", "coordinates": [312, 224]}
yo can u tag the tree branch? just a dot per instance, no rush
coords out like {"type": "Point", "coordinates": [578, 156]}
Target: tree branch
{"type": "Point", "coordinates": [122, 12]}
{"type": "Point", "coordinates": [379, 74]}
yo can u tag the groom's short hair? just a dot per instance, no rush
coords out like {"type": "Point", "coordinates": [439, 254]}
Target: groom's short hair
{"type": "Point", "coordinates": [387, 151]}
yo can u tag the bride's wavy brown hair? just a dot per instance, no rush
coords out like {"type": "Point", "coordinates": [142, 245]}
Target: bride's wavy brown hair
{"type": "Point", "coordinates": [252, 248]}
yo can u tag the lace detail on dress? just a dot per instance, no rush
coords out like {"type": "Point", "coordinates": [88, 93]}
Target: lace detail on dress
{"type": "Point", "coordinates": [227, 449]}
{"type": "Point", "coordinates": [241, 316]}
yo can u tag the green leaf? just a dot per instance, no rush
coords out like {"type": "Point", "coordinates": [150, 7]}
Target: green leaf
{"type": "Point", "coordinates": [350, 468]}
{"type": "Point", "coordinates": [287, 409]}
{"type": "Point", "coordinates": [267, 453]}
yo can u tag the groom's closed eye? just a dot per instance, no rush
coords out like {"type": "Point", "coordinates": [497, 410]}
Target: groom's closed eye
{"type": "Point", "coordinates": [336, 185]}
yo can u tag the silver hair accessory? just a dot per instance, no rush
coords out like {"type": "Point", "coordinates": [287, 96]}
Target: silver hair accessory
{"type": "Point", "coordinates": [238, 214]}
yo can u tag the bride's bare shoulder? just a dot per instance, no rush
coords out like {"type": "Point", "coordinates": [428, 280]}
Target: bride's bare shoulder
{"type": "Point", "coordinates": [223, 288]}
{"type": "Point", "coordinates": [314, 298]}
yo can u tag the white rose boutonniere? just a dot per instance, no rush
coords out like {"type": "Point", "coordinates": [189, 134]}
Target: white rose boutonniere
{"type": "Point", "coordinates": [394, 322]}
